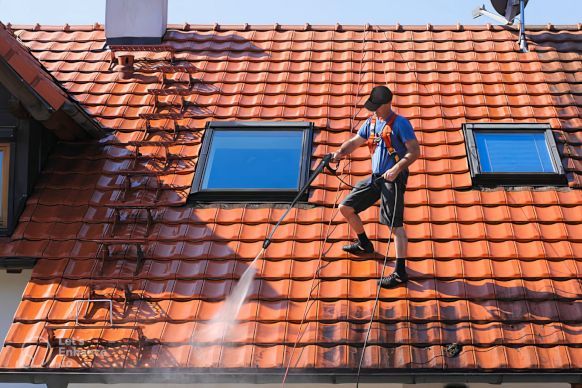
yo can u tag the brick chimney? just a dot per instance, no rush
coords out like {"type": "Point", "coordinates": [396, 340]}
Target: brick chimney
{"type": "Point", "coordinates": [137, 22]}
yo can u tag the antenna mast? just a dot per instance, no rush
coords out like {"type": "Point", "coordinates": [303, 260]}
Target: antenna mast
{"type": "Point", "coordinates": [508, 10]}
{"type": "Point", "coordinates": [522, 41]}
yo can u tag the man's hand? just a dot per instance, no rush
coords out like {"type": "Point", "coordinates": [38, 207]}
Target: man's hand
{"type": "Point", "coordinates": [336, 156]}
{"type": "Point", "coordinates": [412, 153]}
{"type": "Point", "coordinates": [391, 174]}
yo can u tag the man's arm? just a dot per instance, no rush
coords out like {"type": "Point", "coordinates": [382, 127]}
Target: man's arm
{"type": "Point", "coordinates": [348, 147]}
{"type": "Point", "coordinates": [412, 153]}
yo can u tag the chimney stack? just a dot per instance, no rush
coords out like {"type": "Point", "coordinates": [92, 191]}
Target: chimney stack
{"type": "Point", "coordinates": [135, 22]}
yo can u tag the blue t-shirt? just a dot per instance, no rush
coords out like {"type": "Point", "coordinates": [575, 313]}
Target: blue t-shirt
{"type": "Point", "coordinates": [402, 132]}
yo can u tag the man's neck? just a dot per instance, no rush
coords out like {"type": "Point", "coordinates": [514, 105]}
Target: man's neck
{"type": "Point", "coordinates": [384, 116]}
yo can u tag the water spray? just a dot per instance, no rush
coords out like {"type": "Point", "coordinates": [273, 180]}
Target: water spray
{"type": "Point", "coordinates": [221, 324]}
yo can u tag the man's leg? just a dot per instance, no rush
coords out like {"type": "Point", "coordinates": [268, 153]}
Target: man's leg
{"type": "Point", "coordinates": [352, 217]}
{"type": "Point", "coordinates": [392, 214]}
{"type": "Point", "coordinates": [399, 275]}
{"type": "Point", "coordinates": [362, 244]}
{"type": "Point", "coordinates": [401, 242]}
{"type": "Point", "coordinates": [362, 197]}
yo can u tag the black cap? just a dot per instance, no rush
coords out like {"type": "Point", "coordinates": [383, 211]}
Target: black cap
{"type": "Point", "coordinates": [380, 95]}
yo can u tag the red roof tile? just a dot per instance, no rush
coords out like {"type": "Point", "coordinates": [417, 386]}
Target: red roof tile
{"type": "Point", "coordinates": [30, 70]}
{"type": "Point", "coordinates": [495, 271]}
{"type": "Point", "coordinates": [38, 91]}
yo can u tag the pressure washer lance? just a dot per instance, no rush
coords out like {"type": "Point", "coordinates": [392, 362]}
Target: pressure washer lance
{"type": "Point", "coordinates": [323, 164]}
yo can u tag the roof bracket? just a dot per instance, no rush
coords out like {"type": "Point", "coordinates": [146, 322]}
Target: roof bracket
{"type": "Point", "coordinates": [124, 284]}
{"type": "Point", "coordinates": [129, 175]}
{"type": "Point", "coordinates": [119, 208]}
{"type": "Point", "coordinates": [107, 254]}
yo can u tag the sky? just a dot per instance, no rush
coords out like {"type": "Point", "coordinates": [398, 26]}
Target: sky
{"type": "Point", "coordinates": [56, 12]}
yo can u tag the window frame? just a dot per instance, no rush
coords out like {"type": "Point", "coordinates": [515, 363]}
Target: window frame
{"type": "Point", "coordinates": [7, 139]}
{"type": "Point", "coordinates": [197, 194]}
{"type": "Point", "coordinates": [6, 176]}
{"type": "Point", "coordinates": [479, 177]}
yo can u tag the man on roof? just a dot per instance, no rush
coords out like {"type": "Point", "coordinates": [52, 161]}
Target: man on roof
{"type": "Point", "coordinates": [393, 148]}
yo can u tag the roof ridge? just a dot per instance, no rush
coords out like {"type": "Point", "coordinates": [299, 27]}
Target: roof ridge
{"type": "Point", "coordinates": [308, 26]}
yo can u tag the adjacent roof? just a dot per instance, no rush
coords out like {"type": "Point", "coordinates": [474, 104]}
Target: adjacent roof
{"type": "Point", "coordinates": [496, 271]}
{"type": "Point", "coordinates": [41, 95]}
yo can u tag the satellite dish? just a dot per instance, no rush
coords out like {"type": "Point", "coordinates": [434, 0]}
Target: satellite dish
{"type": "Point", "coordinates": [508, 8]}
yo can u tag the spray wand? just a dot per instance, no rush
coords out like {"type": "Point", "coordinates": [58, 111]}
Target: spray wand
{"type": "Point", "coordinates": [323, 164]}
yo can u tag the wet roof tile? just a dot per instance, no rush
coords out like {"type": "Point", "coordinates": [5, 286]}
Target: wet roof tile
{"type": "Point", "coordinates": [494, 270]}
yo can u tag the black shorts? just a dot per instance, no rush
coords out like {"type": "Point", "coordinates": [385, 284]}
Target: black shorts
{"type": "Point", "coordinates": [368, 191]}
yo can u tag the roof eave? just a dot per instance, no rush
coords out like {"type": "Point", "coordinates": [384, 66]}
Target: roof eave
{"type": "Point", "coordinates": [271, 376]}
{"type": "Point", "coordinates": [38, 108]}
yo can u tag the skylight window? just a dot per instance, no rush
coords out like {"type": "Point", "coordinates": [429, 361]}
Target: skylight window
{"type": "Point", "coordinates": [253, 161]}
{"type": "Point", "coordinates": [513, 154]}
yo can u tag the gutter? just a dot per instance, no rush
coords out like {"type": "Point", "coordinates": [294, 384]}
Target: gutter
{"type": "Point", "coordinates": [16, 265]}
{"type": "Point", "coordinates": [61, 377]}
{"type": "Point", "coordinates": [79, 116]}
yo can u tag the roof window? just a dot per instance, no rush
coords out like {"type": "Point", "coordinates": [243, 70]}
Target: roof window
{"type": "Point", "coordinates": [513, 154]}
{"type": "Point", "coordinates": [253, 162]}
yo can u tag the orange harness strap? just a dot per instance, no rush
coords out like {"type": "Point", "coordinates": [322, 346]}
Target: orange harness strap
{"type": "Point", "coordinates": [373, 140]}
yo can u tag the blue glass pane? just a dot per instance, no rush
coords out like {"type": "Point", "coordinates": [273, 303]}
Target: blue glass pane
{"type": "Point", "coordinates": [254, 160]}
{"type": "Point", "coordinates": [513, 152]}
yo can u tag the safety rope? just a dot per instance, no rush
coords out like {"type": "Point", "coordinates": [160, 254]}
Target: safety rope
{"type": "Point", "coordinates": [315, 281]}
{"type": "Point", "coordinates": [443, 113]}
{"type": "Point", "coordinates": [359, 86]}
{"type": "Point", "coordinates": [314, 285]}
{"type": "Point", "coordinates": [379, 287]}
{"type": "Point", "coordinates": [446, 118]}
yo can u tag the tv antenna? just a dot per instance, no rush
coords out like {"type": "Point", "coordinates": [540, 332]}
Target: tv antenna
{"type": "Point", "coordinates": [507, 11]}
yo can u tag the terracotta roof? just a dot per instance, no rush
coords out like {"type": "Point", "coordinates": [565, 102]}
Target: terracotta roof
{"type": "Point", "coordinates": [28, 70]}
{"type": "Point", "coordinates": [496, 271]}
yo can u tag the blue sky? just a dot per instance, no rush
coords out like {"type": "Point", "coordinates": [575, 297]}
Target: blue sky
{"type": "Point", "coordinates": [292, 12]}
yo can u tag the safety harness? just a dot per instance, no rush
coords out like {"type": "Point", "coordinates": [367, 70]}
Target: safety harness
{"type": "Point", "coordinates": [374, 139]}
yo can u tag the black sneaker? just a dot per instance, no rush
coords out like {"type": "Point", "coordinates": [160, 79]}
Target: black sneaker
{"type": "Point", "coordinates": [393, 280]}
{"type": "Point", "coordinates": [357, 248]}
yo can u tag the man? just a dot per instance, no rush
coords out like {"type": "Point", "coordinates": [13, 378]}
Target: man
{"type": "Point", "coordinates": [393, 147]}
